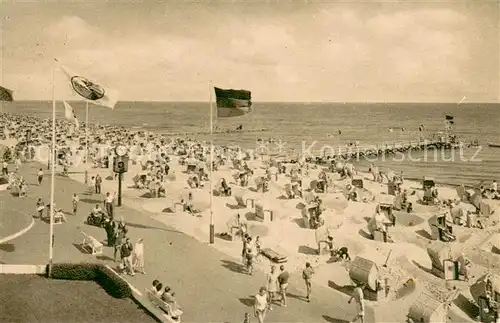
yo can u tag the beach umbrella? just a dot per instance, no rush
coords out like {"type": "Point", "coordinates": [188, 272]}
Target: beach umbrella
{"type": "Point", "coordinates": [6, 94]}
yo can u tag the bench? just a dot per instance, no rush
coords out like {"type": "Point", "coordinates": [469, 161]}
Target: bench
{"type": "Point", "coordinates": [164, 306]}
{"type": "Point", "coordinates": [92, 243]}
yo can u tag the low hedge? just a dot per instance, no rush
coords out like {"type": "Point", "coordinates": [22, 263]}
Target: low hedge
{"type": "Point", "coordinates": [108, 279]}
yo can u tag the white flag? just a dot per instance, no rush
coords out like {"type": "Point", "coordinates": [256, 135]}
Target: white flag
{"type": "Point", "coordinates": [69, 113]}
{"type": "Point", "coordinates": [89, 90]}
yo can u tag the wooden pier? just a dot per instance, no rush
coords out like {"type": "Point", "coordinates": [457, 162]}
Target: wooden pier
{"type": "Point", "coordinates": [387, 148]}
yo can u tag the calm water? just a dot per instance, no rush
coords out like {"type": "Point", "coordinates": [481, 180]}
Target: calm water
{"type": "Point", "coordinates": [300, 125]}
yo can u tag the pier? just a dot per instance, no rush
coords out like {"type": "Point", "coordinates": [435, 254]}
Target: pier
{"type": "Point", "coordinates": [387, 148]}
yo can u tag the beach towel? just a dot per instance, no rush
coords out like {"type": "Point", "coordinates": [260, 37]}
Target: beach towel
{"type": "Point", "coordinates": [274, 256]}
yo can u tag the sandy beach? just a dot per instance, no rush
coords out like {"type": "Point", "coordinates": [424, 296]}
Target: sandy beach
{"type": "Point", "coordinates": [346, 221]}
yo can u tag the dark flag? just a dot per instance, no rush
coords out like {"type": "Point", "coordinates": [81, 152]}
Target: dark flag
{"type": "Point", "coordinates": [6, 95]}
{"type": "Point", "coordinates": [448, 117]}
{"type": "Point", "coordinates": [233, 103]}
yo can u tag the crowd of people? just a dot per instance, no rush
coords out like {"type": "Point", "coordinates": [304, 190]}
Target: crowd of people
{"type": "Point", "coordinates": [153, 153]}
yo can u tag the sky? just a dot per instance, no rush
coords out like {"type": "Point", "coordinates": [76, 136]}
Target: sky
{"type": "Point", "coordinates": [295, 51]}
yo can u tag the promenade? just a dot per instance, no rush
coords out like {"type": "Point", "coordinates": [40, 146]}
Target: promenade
{"type": "Point", "coordinates": [209, 285]}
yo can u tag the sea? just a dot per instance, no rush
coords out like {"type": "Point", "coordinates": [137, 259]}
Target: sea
{"type": "Point", "coordinates": [312, 128]}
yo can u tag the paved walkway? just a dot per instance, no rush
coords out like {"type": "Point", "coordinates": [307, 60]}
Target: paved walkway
{"type": "Point", "coordinates": [11, 220]}
{"type": "Point", "coordinates": [210, 285]}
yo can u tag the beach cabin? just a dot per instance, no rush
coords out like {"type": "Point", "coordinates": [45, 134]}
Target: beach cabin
{"type": "Point", "coordinates": [262, 213]}
{"type": "Point", "coordinates": [427, 309]}
{"type": "Point", "coordinates": [428, 182]}
{"type": "Point", "coordinates": [486, 293]}
{"type": "Point", "coordinates": [392, 188]}
{"type": "Point", "coordinates": [439, 229]}
{"type": "Point", "coordinates": [444, 264]}
{"type": "Point", "coordinates": [365, 271]}
{"type": "Point", "coordinates": [357, 181]}
{"type": "Point", "coordinates": [387, 208]}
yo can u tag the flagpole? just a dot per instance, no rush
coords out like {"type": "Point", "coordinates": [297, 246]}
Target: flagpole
{"type": "Point", "coordinates": [212, 227]}
{"type": "Point", "coordinates": [52, 175]}
{"type": "Point", "coordinates": [86, 139]}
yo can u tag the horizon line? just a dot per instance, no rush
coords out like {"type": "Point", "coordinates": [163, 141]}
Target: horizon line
{"type": "Point", "coordinates": [301, 102]}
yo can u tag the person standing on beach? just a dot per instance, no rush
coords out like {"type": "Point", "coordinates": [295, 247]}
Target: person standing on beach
{"type": "Point", "coordinates": [40, 177]}
{"type": "Point", "coordinates": [360, 303]}
{"type": "Point", "coordinates": [98, 182]}
{"type": "Point", "coordinates": [283, 278]}
{"type": "Point", "coordinates": [260, 305]}
{"type": "Point", "coordinates": [74, 200]}
{"type": "Point", "coordinates": [272, 286]}
{"type": "Point", "coordinates": [307, 274]}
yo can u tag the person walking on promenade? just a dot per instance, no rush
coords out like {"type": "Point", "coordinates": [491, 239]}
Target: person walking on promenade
{"type": "Point", "coordinates": [74, 200]}
{"type": "Point", "coordinates": [108, 204]}
{"type": "Point", "coordinates": [307, 274]}
{"type": "Point", "coordinates": [91, 185]}
{"type": "Point", "coordinates": [5, 168]}
{"type": "Point", "coordinates": [118, 240]}
{"type": "Point", "coordinates": [283, 278]}
{"type": "Point", "coordinates": [138, 256]}
{"type": "Point", "coordinates": [40, 207]}
{"type": "Point", "coordinates": [360, 303]}
{"type": "Point", "coordinates": [40, 177]}
{"type": "Point", "coordinates": [272, 286]}
{"type": "Point", "coordinates": [260, 305]}
{"type": "Point", "coordinates": [18, 163]}
{"type": "Point", "coordinates": [126, 255]}
{"type": "Point", "coordinates": [110, 228]}
{"type": "Point", "coordinates": [98, 182]}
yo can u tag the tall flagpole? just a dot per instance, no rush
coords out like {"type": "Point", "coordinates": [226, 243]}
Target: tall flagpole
{"type": "Point", "coordinates": [86, 139]}
{"type": "Point", "coordinates": [52, 175]}
{"type": "Point", "coordinates": [212, 228]}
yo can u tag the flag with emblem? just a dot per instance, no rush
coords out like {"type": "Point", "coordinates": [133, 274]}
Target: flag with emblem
{"type": "Point", "coordinates": [233, 103]}
{"type": "Point", "coordinates": [70, 115]}
{"type": "Point", "coordinates": [91, 91]}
